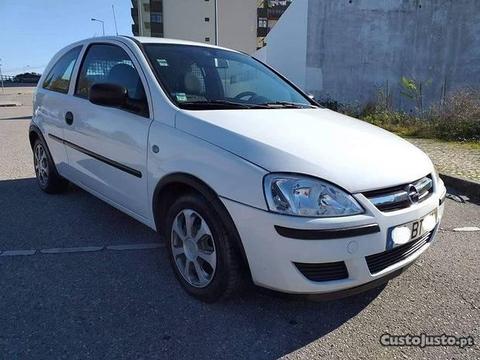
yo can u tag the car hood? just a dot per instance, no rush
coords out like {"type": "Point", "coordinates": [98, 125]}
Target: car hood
{"type": "Point", "coordinates": [319, 142]}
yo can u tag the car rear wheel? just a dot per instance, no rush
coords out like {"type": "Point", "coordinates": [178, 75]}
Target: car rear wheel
{"type": "Point", "coordinates": [200, 250]}
{"type": "Point", "coordinates": [45, 171]}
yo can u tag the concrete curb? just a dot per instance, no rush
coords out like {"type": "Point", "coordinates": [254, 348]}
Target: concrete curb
{"type": "Point", "coordinates": [469, 187]}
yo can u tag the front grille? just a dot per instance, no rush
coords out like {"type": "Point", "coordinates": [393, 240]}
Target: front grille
{"type": "Point", "coordinates": [402, 196]}
{"type": "Point", "coordinates": [323, 271]}
{"type": "Point", "coordinates": [380, 261]}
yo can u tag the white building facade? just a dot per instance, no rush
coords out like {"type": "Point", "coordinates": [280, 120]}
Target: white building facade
{"type": "Point", "coordinates": [229, 23]}
{"type": "Point", "coordinates": [236, 24]}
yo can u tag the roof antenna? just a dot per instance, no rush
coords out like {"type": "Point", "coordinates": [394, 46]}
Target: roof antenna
{"type": "Point", "coordinates": [114, 19]}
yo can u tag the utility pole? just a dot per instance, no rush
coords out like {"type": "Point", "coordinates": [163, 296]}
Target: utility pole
{"type": "Point", "coordinates": [141, 29]}
{"type": "Point", "coordinates": [103, 24]}
{"type": "Point", "coordinates": [216, 23]}
{"type": "Point", "coordinates": [1, 76]}
{"type": "Point", "coordinates": [115, 20]}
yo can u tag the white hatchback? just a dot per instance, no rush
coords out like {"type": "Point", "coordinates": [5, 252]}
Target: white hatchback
{"type": "Point", "coordinates": [244, 175]}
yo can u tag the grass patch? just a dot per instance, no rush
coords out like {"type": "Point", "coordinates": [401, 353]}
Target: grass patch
{"type": "Point", "coordinates": [457, 118]}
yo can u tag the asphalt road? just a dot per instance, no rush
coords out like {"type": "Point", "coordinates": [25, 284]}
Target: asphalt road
{"type": "Point", "coordinates": [117, 304]}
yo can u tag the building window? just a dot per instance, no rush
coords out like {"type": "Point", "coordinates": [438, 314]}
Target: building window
{"type": "Point", "coordinates": [207, 19]}
{"type": "Point", "coordinates": [262, 22]}
{"type": "Point", "coordinates": [146, 25]}
{"type": "Point", "coordinates": [146, 7]}
{"type": "Point", "coordinates": [207, 39]}
{"type": "Point", "coordinates": [156, 17]}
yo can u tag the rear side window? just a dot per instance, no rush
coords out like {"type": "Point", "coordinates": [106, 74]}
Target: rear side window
{"type": "Point", "coordinates": [109, 64]}
{"type": "Point", "coordinates": [58, 79]}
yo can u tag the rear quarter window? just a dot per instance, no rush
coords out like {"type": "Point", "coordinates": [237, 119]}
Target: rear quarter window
{"type": "Point", "coordinates": [58, 79]}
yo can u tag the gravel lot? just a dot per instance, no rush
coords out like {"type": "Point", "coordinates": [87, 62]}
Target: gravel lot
{"type": "Point", "coordinates": [119, 304]}
{"type": "Point", "coordinates": [452, 158]}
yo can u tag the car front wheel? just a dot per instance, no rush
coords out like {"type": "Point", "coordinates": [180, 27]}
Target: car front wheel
{"type": "Point", "coordinates": [200, 249]}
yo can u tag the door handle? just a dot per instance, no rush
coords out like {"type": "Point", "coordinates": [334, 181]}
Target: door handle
{"type": "Point", "coordinates": [69, 118]}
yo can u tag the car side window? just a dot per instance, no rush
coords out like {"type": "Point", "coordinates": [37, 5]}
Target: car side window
{"type": "Point", "coordinates": [58, 79]}
{"type": "Point", "coordinates": [110, 64]}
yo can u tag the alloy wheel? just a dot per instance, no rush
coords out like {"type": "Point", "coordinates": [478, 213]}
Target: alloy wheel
{"type": "Point", "coordinates": [41, 164]}
{"type": "Point", "coordinates": [193, 248]}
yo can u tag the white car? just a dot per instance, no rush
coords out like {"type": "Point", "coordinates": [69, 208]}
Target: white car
{"type": "Point", "coordinates": [244, 175]}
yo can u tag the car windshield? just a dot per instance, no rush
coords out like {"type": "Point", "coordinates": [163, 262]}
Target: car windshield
{"type": "Point", "coordinates": [201, 78]}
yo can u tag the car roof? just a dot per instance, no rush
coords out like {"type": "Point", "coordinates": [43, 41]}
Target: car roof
{"type": "Point", "coordinates": [148, 40]}
{"type": "Point", "coordinates": [157, 40]}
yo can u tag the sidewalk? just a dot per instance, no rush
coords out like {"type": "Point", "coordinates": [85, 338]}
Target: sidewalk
{"type": "Point", "coordinates": [452, 158]}
{"type": "Point", "coordinates": [21, 97]}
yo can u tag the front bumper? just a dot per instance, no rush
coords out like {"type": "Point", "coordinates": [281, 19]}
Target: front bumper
{"type": "Point", "coordinates": [272, 257]}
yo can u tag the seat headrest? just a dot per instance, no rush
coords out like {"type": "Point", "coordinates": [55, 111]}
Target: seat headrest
{"type": "Point", "coordinates": [192, 84]}
{"type": "Point", "coordinates": [124, 74]}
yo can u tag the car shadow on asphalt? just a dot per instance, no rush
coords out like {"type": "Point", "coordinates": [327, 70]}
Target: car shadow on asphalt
{"type": "Point", "coordinates": [256, 324]}
{"type": "Point", "coordinates": [29, 218]}
{"type": "Point", "coordinates": [460, 197]}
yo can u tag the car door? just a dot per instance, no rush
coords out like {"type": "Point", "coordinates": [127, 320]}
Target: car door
{"type": "Point", "coordinates": [107, 146]}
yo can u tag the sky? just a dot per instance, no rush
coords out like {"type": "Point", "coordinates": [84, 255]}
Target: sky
{"type": "Point", "coordinates": [32, 31]}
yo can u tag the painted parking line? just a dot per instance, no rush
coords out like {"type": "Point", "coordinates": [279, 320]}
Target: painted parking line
{"type": "Point", "coordinates": [18, 252]}
{"type": "Point", "coordinates": [72, 250]}
{"type": "Point", "coordinates": [81, 249]}
{"type": "Point", "coordinates": [467, 229]}
{"type": "Point", "coordinates": [135, 246]}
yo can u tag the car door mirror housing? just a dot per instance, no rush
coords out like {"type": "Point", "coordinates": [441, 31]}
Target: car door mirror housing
{"type": "Point", "coordinates": [108, 95]}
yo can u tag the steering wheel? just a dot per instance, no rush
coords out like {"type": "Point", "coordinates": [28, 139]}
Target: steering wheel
{"type": "Point", "coordinates": [243, 94]}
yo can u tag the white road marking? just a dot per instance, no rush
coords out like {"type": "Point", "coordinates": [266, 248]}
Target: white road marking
{"type": "Point", "coordinates": [135, 246]}
{"type": "Point", "coordinates": [82, 249]}
{"type": "Point", "coordinates": [467, 228]}
{"type": "Point", "coordinates": [71, 250]}
{"type": "Point", "coordinates": [18, 252]}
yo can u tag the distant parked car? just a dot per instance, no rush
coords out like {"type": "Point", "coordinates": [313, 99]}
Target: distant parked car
{"type": "Point", "coordinates": [244, 174]}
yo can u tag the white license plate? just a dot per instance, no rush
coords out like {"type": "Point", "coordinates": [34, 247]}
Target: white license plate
{"type": "Point", "coordinates": [413, 230]}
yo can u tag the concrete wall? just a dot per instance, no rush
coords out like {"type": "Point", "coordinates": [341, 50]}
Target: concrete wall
{"type": "Point", "coordinates": [354, 47]}
{"type": "Point", "coordinates": [237, 24]}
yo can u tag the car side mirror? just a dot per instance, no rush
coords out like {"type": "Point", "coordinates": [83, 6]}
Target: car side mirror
{"type": "Point", "coordinates": [108, 95]}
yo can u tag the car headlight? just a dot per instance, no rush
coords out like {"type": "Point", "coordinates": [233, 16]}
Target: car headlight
{"type": "Point", "coordinates": [305, 196]}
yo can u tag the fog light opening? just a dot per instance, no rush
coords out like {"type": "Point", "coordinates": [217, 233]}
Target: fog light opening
{"type": "Point", "coordinates": [429, 223]}
{"type": "Point", "coordinates": [401, 235]}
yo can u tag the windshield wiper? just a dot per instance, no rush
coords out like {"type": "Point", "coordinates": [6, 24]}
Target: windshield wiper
{"type": "Point", "coordinates": [216, 104]}
{"type": "Point", "coordinates": [287, 104]}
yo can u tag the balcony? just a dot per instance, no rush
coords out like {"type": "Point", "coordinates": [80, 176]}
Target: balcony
{"type": "Point", "coordinates": [262, 31]}
{"type": "Point", "coordinates": [134, 14]}
{"type": "Point", "coordinates": [135, 29]}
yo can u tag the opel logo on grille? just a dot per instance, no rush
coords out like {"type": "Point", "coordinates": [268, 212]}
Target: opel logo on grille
{"type": "Point", "coordinates": [413, 193]}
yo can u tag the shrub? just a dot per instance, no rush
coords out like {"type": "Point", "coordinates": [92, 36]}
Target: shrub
{"type": "Point", "coordinates": [458, 118]}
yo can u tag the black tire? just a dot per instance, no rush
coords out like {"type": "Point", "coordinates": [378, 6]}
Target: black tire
{"type": "Point", "coordinates": [47, 176]}
{"type": "Point", "coordinates": [227, 278]}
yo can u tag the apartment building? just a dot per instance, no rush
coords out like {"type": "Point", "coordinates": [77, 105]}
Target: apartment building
{"type": "Point", "coordinates": [236, 24]}
{"type": "Point", "coordinates": [268, 14]}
